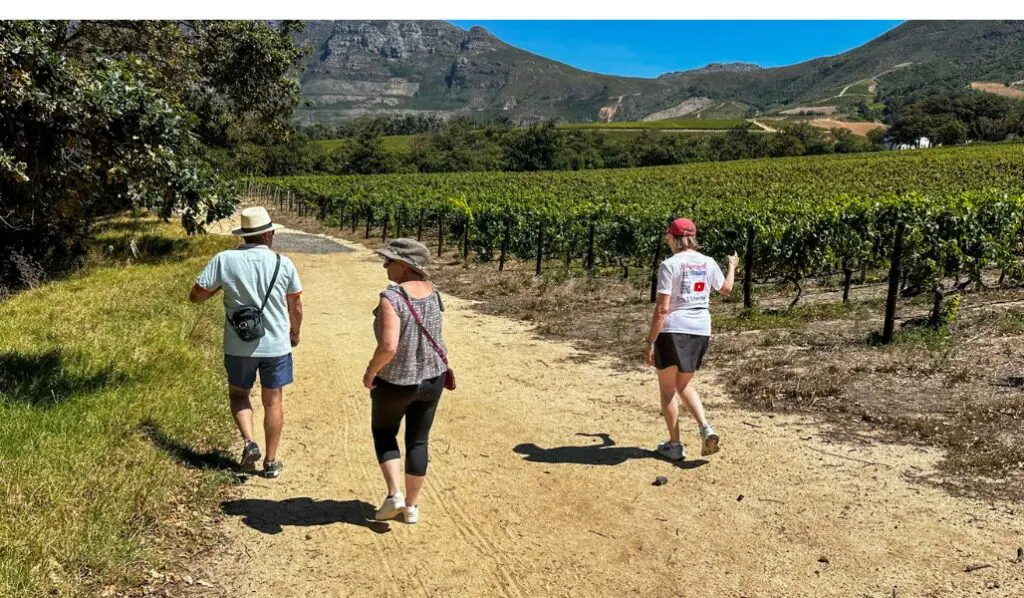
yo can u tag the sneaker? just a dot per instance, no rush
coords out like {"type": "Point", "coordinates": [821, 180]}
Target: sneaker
{"type": "Point", "coordinates": [250, 455]}
{"type": "Point", "coordinates": [672, 452]}
{"type": "Point", "coordinates": [273, 468]}
{"type": "Point", "coordinates": [393, 506]}
{"type": "Point", "coordinates": [708, 441]}
{"type": "Point", "coordinates": [412, 513]}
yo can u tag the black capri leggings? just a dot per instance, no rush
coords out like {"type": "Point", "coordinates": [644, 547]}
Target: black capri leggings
{"type": "Point", "coordinates": [392, 402]}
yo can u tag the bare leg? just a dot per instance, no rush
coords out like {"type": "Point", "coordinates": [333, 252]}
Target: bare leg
{"type": "Point", "coordinates": [691, 399]}
{"type": "Point", "coordinates": [392, 470]}
{"type": "Point", "coordinates": [241, 409]}
{"type": "Point", "coordinates": [413, 484]}
{"type": "Point", "coordinates": [669, 406]}
{"type": "Point", "coordinates": [273, 419]}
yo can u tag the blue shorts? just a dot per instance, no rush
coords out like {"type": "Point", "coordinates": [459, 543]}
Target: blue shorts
{"type": "Point", "coordinates": [275, 372]}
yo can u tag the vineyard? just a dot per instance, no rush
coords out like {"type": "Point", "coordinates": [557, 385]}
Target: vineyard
{"type": "Point", "coordinates": [921, 216]}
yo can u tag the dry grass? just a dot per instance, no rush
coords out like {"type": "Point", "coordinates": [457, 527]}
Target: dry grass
{"type": "Point", "coordinates": [959, 390]}
{"type": "Point", "coordinates": [861, 129]}
{"type": "Point", "coordinates": [999, 89]}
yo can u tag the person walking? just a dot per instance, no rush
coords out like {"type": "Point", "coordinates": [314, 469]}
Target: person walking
{"type": "Point", "coordinates": [681, 329]}
{"type": "Point", "coordinates": [263, 317]}
{"type": "Point", "coordinates": [406, 374]}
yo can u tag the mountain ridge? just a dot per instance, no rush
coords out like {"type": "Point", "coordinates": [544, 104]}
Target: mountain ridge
{"type": "Point", "coordinates": [362, 68]}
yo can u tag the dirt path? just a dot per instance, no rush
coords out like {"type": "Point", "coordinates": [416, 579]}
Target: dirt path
{"type": "Point", "coordinates": [763, 126]}
{"type": "Point", "coordinates": [522, 500]}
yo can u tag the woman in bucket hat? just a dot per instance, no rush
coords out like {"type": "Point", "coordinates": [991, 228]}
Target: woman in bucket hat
{"type": "Point", "coordinates": [406, 374]}
{"type": "Point", "coordinates": [680, 331]}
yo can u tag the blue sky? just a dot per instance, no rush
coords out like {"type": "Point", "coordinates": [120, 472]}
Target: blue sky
{"type": "Point", "coordinates": [651, 48]}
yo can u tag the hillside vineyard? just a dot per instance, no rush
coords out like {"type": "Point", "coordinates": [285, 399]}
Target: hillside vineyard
{"type": "Point", "coordinates": [960, 210]}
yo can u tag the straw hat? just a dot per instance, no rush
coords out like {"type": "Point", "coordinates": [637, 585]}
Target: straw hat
{"type": "Point", "coordinates": [255, 221]}
{"type": "Point", "coordinates": [408, 251]}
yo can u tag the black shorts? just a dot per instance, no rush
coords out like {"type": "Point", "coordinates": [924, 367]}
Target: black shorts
{"type": "Point", "coordinates": [684, 351]}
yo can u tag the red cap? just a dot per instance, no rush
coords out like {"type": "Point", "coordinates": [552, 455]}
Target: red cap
{"type": "Point", "coordinates": [682, 227]}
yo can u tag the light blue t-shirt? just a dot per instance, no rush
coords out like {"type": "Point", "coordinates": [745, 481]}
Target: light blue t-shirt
{"type": "Point", "coordinates": [244, 274]}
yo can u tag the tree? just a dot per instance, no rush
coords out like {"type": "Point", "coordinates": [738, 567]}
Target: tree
{"type": "Point", "coordinates": [98, 118]}
{"type": "Point", "coordinates": [811, 137]}
{"type": "Point", "coordinates": [538, 147]}
{"type": "Point", "coordinates": [847, 142]}
{"type": "Point", "coordinates": [235, 77]}
{"type": "Point", "coordinates": [877, 136]}
{"type": "Point", "coordinates": [366, 155]}
{"type": "Point", "coordinates": [951, 132]}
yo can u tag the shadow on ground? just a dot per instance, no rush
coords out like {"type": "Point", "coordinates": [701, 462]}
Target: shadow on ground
{"type": "Point", "coordinates": [49, 378]}
{"type": "Point", "coordinates": [270, 516]}
{"type": "Point", "coordinates": [210, 460]}
{"type": "Point", "coordinates": [606, 453]}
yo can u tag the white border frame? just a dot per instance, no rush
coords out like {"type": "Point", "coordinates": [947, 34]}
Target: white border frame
{"type": "Point", "coordinates": [518, 10]}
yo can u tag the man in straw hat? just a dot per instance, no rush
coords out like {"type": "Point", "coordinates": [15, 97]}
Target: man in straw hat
{"type": "Point", "coordinates": [263, 314]}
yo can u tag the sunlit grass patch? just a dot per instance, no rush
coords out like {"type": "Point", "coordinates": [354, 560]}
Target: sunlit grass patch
{"type": "Point", "coordinates": [90, 368]}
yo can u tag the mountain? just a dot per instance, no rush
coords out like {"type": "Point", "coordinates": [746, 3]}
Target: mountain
{"type": "Point", "coordinates": [359, 68]}
{"type": "Point", "coordinates": [378, 67]}
{"type": "Point", "coordinates": [719, 67]}
{"type": "Point", "coordinates": [970, 50]}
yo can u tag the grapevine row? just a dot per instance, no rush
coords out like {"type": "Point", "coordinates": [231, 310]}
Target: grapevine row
{"type": "Point", "coordinates": [960, 210]}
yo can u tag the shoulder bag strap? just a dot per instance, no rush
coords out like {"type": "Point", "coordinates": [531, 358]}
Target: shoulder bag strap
{"type": "Point", "coordinates": [423, 328]}
{"type": "Point", "coordinates": [273, 279]}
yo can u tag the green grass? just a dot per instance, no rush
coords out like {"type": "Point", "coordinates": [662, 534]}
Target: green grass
{"type": "Point", "coordinates": [691, 123]}
{"type": "Point", "coordinates": [392, 143]}
{"type": "Point", "coordinates": [862, 88]}
{"type": "Point", "coordinates": [327, 145]}
{"type": "Point", "coordinates": [107, 380]}
{"type": "Point", "coordinates": [617, 131]}
{"type": "Point", "coordinates": [725, 110]}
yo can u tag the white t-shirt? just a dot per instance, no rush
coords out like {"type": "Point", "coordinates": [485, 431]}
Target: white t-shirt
{"type": "Point", "coordinates": [688, 277]}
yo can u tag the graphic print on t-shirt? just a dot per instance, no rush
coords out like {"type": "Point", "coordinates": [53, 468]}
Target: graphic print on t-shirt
{"type": "Point", "coordinates": [688, 278]}
{"type": "Point", "coordinates": [693, 284]}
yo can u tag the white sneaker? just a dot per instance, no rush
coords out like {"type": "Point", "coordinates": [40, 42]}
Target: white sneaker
{"type": "Point", "coordinates": [393, 506]}
{"type": "Point", "coordinates": [708, 441]}
{"type": "Point", "coordinates": [672, 452]}
{"type": "Point", "coordinates": [412, 513]}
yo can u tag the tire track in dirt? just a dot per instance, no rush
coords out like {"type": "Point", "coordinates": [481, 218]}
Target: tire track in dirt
{"type": "Point", "coordinates": [367, 487]}
{"type": "Point", "coordinates": [472, 535]}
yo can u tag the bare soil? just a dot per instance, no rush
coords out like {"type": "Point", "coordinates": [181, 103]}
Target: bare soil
{"type": "Point", "coordinates": [998, 89]}
{"type": "Point", "coordinates": [541, 471]}
{"type": "Point", "coordinates": [861, 128]}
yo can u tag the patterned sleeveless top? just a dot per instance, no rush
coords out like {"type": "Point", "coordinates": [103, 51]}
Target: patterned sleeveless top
{"type": "Point", "coordinates": [416, 360]}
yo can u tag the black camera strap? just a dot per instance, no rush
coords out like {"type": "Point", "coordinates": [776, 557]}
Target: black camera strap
{"type": "Point", "coordinates": [273, 279]}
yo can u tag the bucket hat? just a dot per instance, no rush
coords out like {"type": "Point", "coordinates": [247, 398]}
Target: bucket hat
{"type": "Point", "coordinates": [408, 251]}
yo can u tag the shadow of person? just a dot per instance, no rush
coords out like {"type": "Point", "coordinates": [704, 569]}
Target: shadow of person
{"type": "Point", "coordinates": [270, 516]}
{"type": "Point", "coordinates": [606, 453]}
{"type": "Point", "coordinates": [211, 460]}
